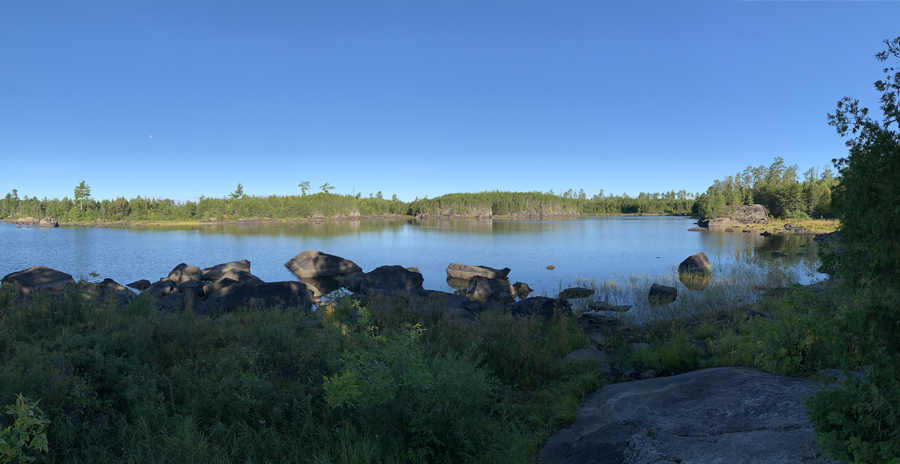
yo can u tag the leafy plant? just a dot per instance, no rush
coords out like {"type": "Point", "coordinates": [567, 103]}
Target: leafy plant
{"type": "Point", "coordinates": [27, 437]}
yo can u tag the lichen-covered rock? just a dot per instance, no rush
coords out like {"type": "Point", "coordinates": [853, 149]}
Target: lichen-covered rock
{"type": "Point", "coordinates": [751, 214]}
{"type": "Point", "coordinates": [719, 415]}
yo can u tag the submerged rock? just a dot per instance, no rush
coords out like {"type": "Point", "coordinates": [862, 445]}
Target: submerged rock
{"type": "Point", "coordinates": [575, 293]}
{"type": "Point", "coordinates": [661, 294]}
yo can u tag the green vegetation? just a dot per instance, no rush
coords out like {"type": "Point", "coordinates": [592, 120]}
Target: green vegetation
{"type": "Point", "coordinates": [238, 205]}
{"type": "Point", "coordinates": [82, 193]}
{"type": "Point", "coordinates": [393, 381]}
{"type": "Point", "coordinates": [776, 187]}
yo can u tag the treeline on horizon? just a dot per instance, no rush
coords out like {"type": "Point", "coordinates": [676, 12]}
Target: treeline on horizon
{"type": "Point", "coordinates": [776, 187]}
{"type": "Point", "coordinates": [335, 205]}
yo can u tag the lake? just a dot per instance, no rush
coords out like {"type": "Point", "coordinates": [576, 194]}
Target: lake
{"type": "Point", "coordinates": [600, 248]}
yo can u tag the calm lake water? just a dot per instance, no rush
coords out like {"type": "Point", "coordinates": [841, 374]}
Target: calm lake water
{"type": "Point", "coordinates": [601, 248]}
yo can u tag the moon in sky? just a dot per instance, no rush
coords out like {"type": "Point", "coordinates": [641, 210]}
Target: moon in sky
{"type": "Point", "coordinates": [151, 136]}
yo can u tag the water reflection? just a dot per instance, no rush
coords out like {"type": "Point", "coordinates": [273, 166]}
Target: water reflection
{"type": "Point", "coordinates": [600, 248]}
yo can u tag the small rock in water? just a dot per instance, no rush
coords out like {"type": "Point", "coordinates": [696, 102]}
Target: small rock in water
{"type": "Point", "coordinates": [551, 267]}
{"type": "Point", "coordinates": [575, 292]}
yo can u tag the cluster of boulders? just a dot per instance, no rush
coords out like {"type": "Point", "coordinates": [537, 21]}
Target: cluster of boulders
{"type": "Point", "coordinates": [228, 286]}
{"type": "Point", "coordinates": [224, 287]}
{"type": "Point", "coordinates": [46, 223]}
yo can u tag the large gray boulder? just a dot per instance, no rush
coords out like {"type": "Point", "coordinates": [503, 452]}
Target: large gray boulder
{"type": "Point", "coordinates": [317, 264]}
{"type": "Point", "coordinates": [751, 214]}
{"type": "Point", "coordinates": [483, 289]}
{"type": "Point", "coordinates": [106, 290]}
{"type": "Point", "coordinates": [720, 415]}
{"type": "Point", "coordinates": [695, 263]}
{"type": "Point", "coordinates": [465, 271]}
{"type": "Point", "coordinates": [218, 271]}
{"type": "Point", "coordinates": [695, 272]}
{"type": "Point", "coordinates": [235, 296]}
{"type": "Point", "coordinates": [141, 285]}
{"type": "Point", "coordinates": [242, 276]}
{"type": "Point", "coordinates": [185, 273]}
{"type": "Point", "coordinates": [539, 305]}
{"type": "Point", "coordinates": [37, 278]}
{"type": "Point", "coordinates": [161, 288]}
{"type": "Point", "coordinates": [287, 294]}
{"type": "Point", "coordinates": [389, 280]}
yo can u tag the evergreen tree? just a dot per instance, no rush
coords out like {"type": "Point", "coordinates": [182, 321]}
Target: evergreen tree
{"type": "Point", "coordinates": [82, 193]}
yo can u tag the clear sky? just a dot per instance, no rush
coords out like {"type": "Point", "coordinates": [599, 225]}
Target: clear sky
{"type": "Point", "coordinates": [187, 98]}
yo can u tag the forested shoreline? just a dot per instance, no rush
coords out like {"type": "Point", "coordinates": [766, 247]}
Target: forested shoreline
{"type": "Point", "coordinates": [776, 187]}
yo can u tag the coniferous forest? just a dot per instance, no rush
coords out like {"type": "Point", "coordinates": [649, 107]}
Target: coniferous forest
{"type": "Point", "coordinates": [777, 187]}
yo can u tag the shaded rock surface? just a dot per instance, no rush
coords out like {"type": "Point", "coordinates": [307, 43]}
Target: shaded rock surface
{"type": "Point", "coordinates": [539, 305]}
{"type": "Point", "coordinates": [719, 415]}
{"type": "Point", "coordinates": [466, 271]}
{"type": "Point", "coordinates": [37, 278]}
{"type": "Point", "coordinates": [318, 264]}
{"type": "Point", "coordinates": [662, 294]}
{"type": "Point", "coordinates": [484, 289]}
{"type": "Point", "coordinates": [218, 271]}
{"type": "Point", "coordinates": [696, 263]}
{"type": "Point", "coordinates": [388, 280]}
{"type": "Point", "coordinates": [185, 273]}
{"type": "Point", "coordinates": [141, 285]}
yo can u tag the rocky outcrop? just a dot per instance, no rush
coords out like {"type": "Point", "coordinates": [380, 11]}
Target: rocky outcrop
{"type": "Point", "coordinates": [483, 289]}
{"type": "Point", "coordinates": [242, 276]}
{"type": "Point", "coordinates": [218, 271]}
{"type": "Point", "coordinates": [751, 214]}
{"type": "Point", "coordinates": [388, 280]}
{"type": "Point", "coordinates": [466, 271]}
{"type": "Point", "coordinates": [727, 414]}
{"type": "Point", "coordinates": [233, 297]}
{"type": "Point", "coordinates": [312, 264]}
{"type": "Point", "coordinates": [49, 223]}
{"type": "Point", "coordinates": [186, 273]}
{"type": "Point", "coordinates": [161, 288]}
{"type": "Point", "coordinates": [661, 294]}
{"type": "Point", "coordinates": [37, 278]}
{"type": "Point", "coordinates": [540, 305]}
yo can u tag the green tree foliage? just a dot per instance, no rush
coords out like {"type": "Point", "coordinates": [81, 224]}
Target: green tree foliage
{"type": "Point", "coordinates": [27, 437]}
{"type": "Point", "coordinates": [82, 193]}
{"type": "Point", "coordinates": [238, 193]}
{"type": "Point", "coordinates": [304, 187]}
{"type": "Point", "coordinates": [861, 422]}
{"type": "Point", "coordinates": [776, 187]}
{"type": "Point", "coordinates": [326, 187]}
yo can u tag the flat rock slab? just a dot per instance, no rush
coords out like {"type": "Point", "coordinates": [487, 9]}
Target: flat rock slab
{"type": "Point", "coordinates": [466, 271]}
{"type": "Point", "coordinates": [37, 278]}
{"type": "Point", "coordinates": [719, 415]}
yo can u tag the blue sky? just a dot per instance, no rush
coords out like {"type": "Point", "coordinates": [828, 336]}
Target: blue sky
{"type": "Point", "coordinates": [425, 97]}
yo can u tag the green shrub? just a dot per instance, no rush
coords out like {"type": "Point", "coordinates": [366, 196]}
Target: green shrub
{"type": "Point", "coordinates": [27, 437]}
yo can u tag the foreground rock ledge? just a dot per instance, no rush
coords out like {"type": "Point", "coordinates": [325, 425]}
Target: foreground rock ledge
{"type": "Point", "coordinates": [719, 415]}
